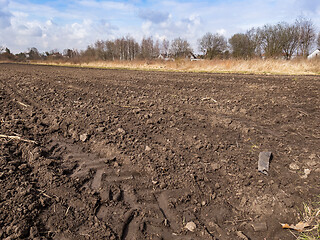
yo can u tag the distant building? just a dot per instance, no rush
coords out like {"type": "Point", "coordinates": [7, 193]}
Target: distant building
{"type": "Point", "coordinates": [165, 57]}
{"type": "Point", "coordinates": [192, 57]}
{"type": "Point", "coordinates": [315, 54]}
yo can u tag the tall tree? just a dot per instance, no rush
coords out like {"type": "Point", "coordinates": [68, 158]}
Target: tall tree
{"type": "Point", "coordinates": [270, 40]}
{"type": "Point", "coordinates": [110, 50]}
{"type": "Point", "coordinates": [289, 38]}
{"type": "Point", "coordinates": [307, 35]}
{"type": "Point", "coordinates": [133, 48]}
{"type": "Point", "coordinates": [212, 45]}
{"type": "Point", "coordinates": [165, 45]}
{"type": "Point", "coordinates": [243, 45]}
{"type": "Point", "coordinates": [180, 47]}
{"type": "Point", "coordinates": [89, 54]}
{"type": "Point", "coordinates": [70, 53]}
{"type": "Point", "coordinates": [6, 54]}
{"type": "Point", "coordinates": [34, 54]}
{"type": "Point", "coordinates": [147, 48]}
{"type": "Point", "coordinates": [100, 50]}
{"type": "Point", "coordinates": [156, 48]}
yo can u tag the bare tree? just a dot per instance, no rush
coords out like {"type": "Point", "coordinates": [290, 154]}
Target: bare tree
{"type": "Point", "coordinates": [165, 47]}
{"type": "Point", "coordinates": [21, 57]}
{"type": "Point", "coordinates": [270, 40]}
{"type": "Point", "coordinates": [289, 38]}
{"type": "Point", "coordinates": [156, 48]}
{"type": "Point", "coordinates": [307, 35]}
{"type": "Point", "coordinates": [34, 54]}
{"type": "Point", "coordinates": [133, 48]}
{"type": "Point", "coordinates": [6, 54]}
{"type": "Point", "coordinates": [147, 48]}
{"type": "Point", "coordinates": [121, 49]}
{"type": "Point", "coordinates": [100, 50]}
{"type": "Point", "coordinates": [212, 45]}
{"type": "Point", "coordinates": [180, 47]}
{"type": "Point", "coordinates": [70, 53]}
{"type": "Point", "coordinates": [88, 54]}
{"type": "Point", "coordinates": [318, 41]}
{"type": "Point", "coordinates": [110, 50]}
{"type": "Point", "coordinates": [244, 45]}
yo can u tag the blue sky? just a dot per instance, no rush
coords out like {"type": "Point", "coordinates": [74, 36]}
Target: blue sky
{"type": "Point", "coordinates": [60, 24]}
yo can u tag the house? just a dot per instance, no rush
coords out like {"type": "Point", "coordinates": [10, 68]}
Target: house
{"type": "Point", "coordinates": [191, 57]}
{"type": "Point", "coordinates": [315, 54]}
{"type": "Point", "coordinates": [165, 57]}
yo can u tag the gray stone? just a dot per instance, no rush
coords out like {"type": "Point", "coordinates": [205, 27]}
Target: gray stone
{"type": "Point", "coordinates": [260, 226]}
{"type": "Point", "coordinates": [264, 161]}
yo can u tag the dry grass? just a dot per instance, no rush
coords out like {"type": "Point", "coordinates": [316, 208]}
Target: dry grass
{"type": "Point", "coordinates": [256, 66]}
{"type": "Point", "coordinates": [311, 214]}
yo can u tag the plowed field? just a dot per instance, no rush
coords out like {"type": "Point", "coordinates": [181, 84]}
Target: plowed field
{"type": "Point", "coordinates": [117, 154]}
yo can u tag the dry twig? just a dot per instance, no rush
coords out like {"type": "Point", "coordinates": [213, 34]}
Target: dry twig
{"type": "Point", "coordinates": [23, 104]}
{"type": "Point", "coordinates": [12, 120]}
{"type": "Point", "coordinates": [67, 211]}
{"type": "Point", "coordinates": [17, 138]}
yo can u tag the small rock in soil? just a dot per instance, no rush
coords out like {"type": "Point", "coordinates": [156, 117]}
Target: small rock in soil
{"type": "Point", "coordinates": [311, 163]}
{"type": "Point", "coordinates": [264, 161]}
{"type": "Point", "coordinates": [163, 185]}
{"type": "Point", "coordinates": [259, 226]}
{"type": "Point", "coordinates": [312, 156]}
{"type": "Point", "coordinates": [121, 131]}
{"type": "Point", "coordinates": [148, 148]}
{"type": "Point", "coordinates": [84, 137]}
{"type": "Point", "coordinates": [191, 226]}
{"type": "Point", "coordinates": [306, 173]}
{"type": "Point", "coordinates": [294, 166]}
{"type": "Point", "coordinates": [215, 166]}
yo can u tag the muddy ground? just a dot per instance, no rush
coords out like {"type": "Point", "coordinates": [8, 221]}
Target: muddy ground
{"type": "Point", "coordinates": [117, 154]}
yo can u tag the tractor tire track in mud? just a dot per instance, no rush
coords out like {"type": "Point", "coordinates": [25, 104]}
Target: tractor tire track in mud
{"type": "Point", "coordinates": [138, 155]}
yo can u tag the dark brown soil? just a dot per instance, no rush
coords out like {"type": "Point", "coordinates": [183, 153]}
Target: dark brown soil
{"type": "Point", "coordinates": [140, 155]}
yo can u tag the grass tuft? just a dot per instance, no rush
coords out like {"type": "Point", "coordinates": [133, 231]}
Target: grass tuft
{"type": "Point", "coordinates": [311, 213]}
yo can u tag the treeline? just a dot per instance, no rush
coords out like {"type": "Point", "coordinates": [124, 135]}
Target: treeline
{"type": "Point", "coordinates": [125, 48]}
{"type": "Point", "coordinates": [282, 40]}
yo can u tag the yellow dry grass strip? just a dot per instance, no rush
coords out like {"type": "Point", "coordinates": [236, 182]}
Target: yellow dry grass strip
{"type": "Point", "coordinates": [253, 66]}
